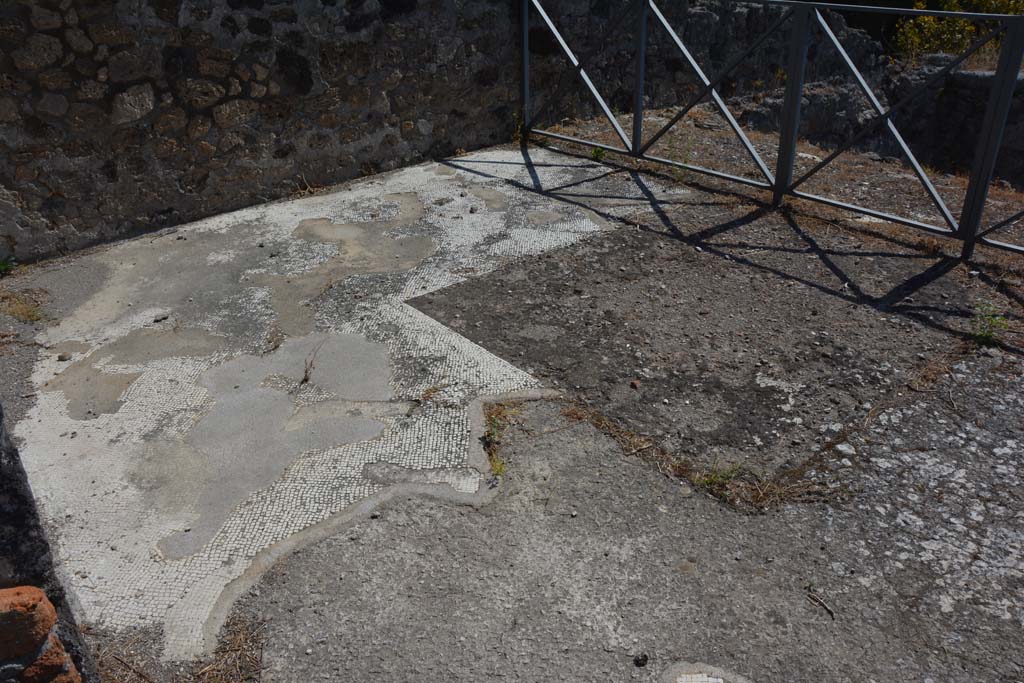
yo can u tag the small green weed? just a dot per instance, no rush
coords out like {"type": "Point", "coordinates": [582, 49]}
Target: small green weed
{"type": "Point", "coordinates": [498, 466]}
{"type": "Point", "coordinates": [497, 417]}
{"type": "Point", "coordinates": [686, 151]}
{"type": "Point", "coordinates": [597, 154]}
{"type": "Point", "coordinates": [6, 267]}
{"type": "Point", "coordinates": [716, 479]}
{"type": "Point", "coordinates": [986, 325]}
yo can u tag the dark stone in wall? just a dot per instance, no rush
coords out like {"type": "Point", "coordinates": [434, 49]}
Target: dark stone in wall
{"type": "Point", "coordinates": [295, 70]}
{"type": "Point", "coordinates": [393, 8]}
{"type": "Point", "coordinates": [949, 119]}
{"type": "Point", "coordinates": [941, 125]}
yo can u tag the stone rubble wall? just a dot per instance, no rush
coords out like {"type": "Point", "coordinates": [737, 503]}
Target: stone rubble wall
{"type": "Point", "coordinates": [714, 31]}
{"type": "Point", "coordinates": [118, 116]}
{"type": "Point", "coordinates": [945, 123]}
{"type": "Point", "coordinates": [941, 126]}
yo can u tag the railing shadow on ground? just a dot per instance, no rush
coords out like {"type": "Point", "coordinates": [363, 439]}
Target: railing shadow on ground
{"type": "Point", "coordinates": [892, 302]}
{"type": "Point", "coordinates": [800, 20]}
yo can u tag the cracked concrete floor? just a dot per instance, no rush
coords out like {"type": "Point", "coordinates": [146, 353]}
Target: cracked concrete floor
{"type": "Point", "coordinates": [208, 394]}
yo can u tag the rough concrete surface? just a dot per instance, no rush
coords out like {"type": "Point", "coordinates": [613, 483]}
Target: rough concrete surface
{"type": "Point", "coordinates": [222, 386]}
{"type": "Point", "coordinates": [589, 563]}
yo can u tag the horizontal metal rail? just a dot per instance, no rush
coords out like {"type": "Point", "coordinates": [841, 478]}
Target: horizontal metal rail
{"type": "Point", "coordinates": [1006, 246]}
{"type": "Point", "coordinates": [578, 141]}
{"type": "Point", "coordinates": [892, 218]}
{"type": "Point", "coordinates": [802, 17]}
{"type": "Point", "coordinates": [708, 171]}
{"type": "Point", "coordinates": [871, 9]}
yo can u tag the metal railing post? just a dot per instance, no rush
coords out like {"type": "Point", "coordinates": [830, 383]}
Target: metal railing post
{"type": "Point", "coordinates": [791, 105]}
{"type": "Point", "coordinates": [638, 85]}
{"type": "Point", "coordinates": [991, 138]}
{"type": "Point", "coordinates": [525, 18]}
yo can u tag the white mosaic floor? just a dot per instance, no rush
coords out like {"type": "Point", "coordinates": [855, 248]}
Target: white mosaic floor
{"type": "Point", "coordinates": [122, 485]}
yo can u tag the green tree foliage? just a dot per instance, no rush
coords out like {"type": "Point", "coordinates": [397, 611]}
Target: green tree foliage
{"type": "Point", "coordinates": [923, 35]}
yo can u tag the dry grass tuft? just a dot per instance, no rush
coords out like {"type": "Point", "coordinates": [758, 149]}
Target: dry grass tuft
{"type": "Point", "coordinates": [497, 418]}
{"type": "Point", "coordinates": [304, 189]}
{"type": "Point", "coordinates": [432, 392]}
{"type": "Point", "coordinates": [21, 305]}
{"type": "Point", "coordinates": [735, 485]}
{"type": "Point", "coordinates": [237, 659]}
{"type": "Point", "coordinates": [128, 660]}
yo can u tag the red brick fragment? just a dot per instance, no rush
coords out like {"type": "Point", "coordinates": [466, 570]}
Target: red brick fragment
{"type": "Point", "coordinates": [71, 676]}
{"type": "Point", "coordinates": [26, 617]}
{"type": "Point", "coordinates": [52, 662]}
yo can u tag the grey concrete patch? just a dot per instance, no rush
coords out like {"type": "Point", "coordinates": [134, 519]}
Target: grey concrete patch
{"type": "Point", "coordinates": [811, 352]}
{"type": "Point", "coordinates": [726, 333]}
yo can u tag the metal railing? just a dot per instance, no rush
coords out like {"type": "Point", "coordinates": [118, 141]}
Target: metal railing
{"type": "Point", "coordinates": [802, 16]}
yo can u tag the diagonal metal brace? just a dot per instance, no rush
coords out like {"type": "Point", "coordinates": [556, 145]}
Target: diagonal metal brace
{"type": "Point", "coordinates": [586, 60]}
{"type": "Point", "coordinates": [880, 110]}
{"type": "Point", "coordinates": [583, 74]}
{"type": "Point", "coordinates": [1001, 224]}
{"type": "Point", "coordinates": [717, 80]}
{"type": "Point", "coordinates": [719, 102]}
{"type": "Point", "coordinates": [899, 106]}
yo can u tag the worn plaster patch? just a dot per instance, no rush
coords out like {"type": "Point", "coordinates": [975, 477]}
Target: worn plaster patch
{"type": "Point", "coordinates": [95, 384]}
{"type": "Point", "coordinates": [253, 432]}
